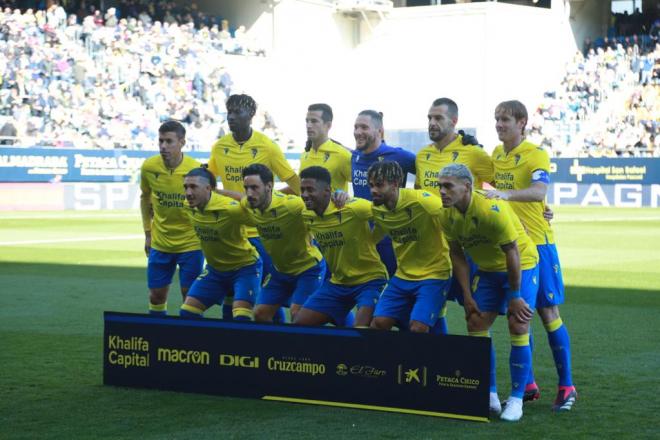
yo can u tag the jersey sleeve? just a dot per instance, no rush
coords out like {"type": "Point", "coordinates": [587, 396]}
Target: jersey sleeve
{"type": "Point", "coordinates": [278, 163]}
{"type": "Point", "coordinates": [502, 225]}
{"type": "Point", "coordinates": [483, 166]}
{"type": "Point", "coordinates": [212, 166]}
{"type": "Point", "coordinates": [361, 208]}
{"type": "Point", "coordinates": [407, 161]}
{"type": "Point", "coordinates": [431, 204]}
{"type": "Point", "coordinates": [539, 165]}
{"type": "Point", "coordinates": [295, 205]}
{"type": "Point", "coordinates": [418, 183]}
{"type": "Point", "coordinates": [145, 200]}
{"type": "Point", "coordinates": [244, 216]}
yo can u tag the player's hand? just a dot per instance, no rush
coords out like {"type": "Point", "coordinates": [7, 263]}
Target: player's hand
{"type": "Point", "coordinates": [339, 198]}
{"type": "Point", "coordinates": [519, 309]}
{"type": "Point", "coordinates": [147, 244]}
{"type": "Point", "coordinates": [468, 139]}
{"type": "Point", "coordinates": [496, 194]}
{"type": "Point", "coordinates": [548, 214]}
{"type": "Point", "coordinates": [471, 308]}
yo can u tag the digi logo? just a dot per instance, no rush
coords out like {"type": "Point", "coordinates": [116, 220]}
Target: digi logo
{"type": "Point", "coordinates": [235, 360]}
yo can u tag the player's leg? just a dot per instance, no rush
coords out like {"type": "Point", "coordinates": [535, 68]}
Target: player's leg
{"type": "Point", "coordinates": [454, 294]}
{"type": "Point", "coordinates": [520, 357]}
{"type": "Point", "coordinates": [275, 290]}
{"type": "Point", "coordinates": [160, 271]}
{"type": "Point", "coordinates": [209, 288]}
{"type": "Point", "coordinates": [191, 264]}
{"type": "Point", "coordinates": [488, 293]}
{"type": "Point", "coordinates": [247, 287]}
{"type": "Point", "coordinates": [393, 306]}
{"type": "Point", "coordinates": [306, 284]}
{"type": "Point", "coordinates": [551, 295]}
{"type": "Point", "coordinates": [267, 270]}
{"type": "Point", "coordinates": [366, 297]}
{"type": "Point", "coordinates": [430, 296]}
{"type": "Point", "coordinates": [326, 305]}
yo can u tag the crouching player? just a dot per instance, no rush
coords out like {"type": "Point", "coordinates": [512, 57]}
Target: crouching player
{"type": "Point", "coordinates": [233, 264]}
{"type": "Point", "coordinates": [507, 272]}
{"type": "Point", "coordinates": [298, 266]}
{"type": "Point", "coordinates": [347, 243]}
{"type": "Point", "coordinates": [417, 291]}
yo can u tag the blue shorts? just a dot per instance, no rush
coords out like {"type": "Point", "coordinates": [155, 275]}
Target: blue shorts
{"type": "Point", "coordinates": [336, 300]}
{"type": "Point", "coordinates": [162, 265]}
{"type": "Point", "coordinates": [455, 291]}
{"type": "Point", "coordinates": [489, 289]}
{"type": "Point", "coordinates": [212, 286]}
{"type": "Point", "coordinates": [281, 289]}
{"type": "Point", "coordinates": [407, 301]}
{"type": "Point", "coordinates": [386, 252]}
{"type": "Point", "coordinates": [265, 258]}
{"type": "Point", "coordinates": [551, 282]}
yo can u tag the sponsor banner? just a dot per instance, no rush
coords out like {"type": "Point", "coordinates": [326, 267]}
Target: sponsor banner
{"type": "Point", "coordinates": [445, 376]}
{"type": "Point", "coordinates": [620, 195]}
{"type": "Point", "coordinates": [606, 171]}
{"type": "Point", "coordinates": [72, 165]}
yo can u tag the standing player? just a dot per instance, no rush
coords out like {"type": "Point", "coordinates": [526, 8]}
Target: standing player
{"type": "Point", "coordinates": [347, 243]}
{"type": "Point", "coordinates": [169, 237]}
{"type": "Point", "coordinates": [233, 264]}
{"type": "Point", "coordinates": [370, 147]}
{"type": "Point", "coordinates": [416, 293]}
{"type": "Point", "coordinates": [449, 147]}
{"type": "Point", "coordinates": [522, 176]}
{"type": "Point", "coordinates": [242, 147]}
{"type": "Point", "coordinates": [323, 151]}
{"type": "Point", "coordinates": [298, 267]}
{"type": "Point", "coordinates": [507, 261]}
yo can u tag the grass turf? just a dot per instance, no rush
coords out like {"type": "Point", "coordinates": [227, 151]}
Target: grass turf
{"type": "Point", "coordinates": [57, 278]}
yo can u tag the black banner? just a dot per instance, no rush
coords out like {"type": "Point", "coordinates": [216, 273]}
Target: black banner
{"type": "Point", "coordinates": [444, 376]}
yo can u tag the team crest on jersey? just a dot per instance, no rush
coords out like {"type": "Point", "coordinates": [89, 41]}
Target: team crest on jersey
{"type": "Point", "coordinates": [254, 153]}
{"type": "Point", "coordinates": [381, 158]}
{"type": "Point", "coordinates": [517, 158]}
{"type": "Point", "coordinates": [409, 212]}
{"type": "Point", "coordinates": [226, 150]}
{"type": "Point", "coordinates": [273, 212]}
{"type": "Point", "coordinates": [425, 194]}
{"type": "Point", "coordinates": [498, 157]}
{"type": "Point", "coordinates": [216, 214]}
{"type": "Point", "coordinates": [475, 221]}
{"type": "Point", "coordinates": [454, 156]}
{"type": "Point", "coordinates": [428, 156]}
{"type": "Point", "coordinates": [495, 208]}
{"type": "Point", "coordinates": [156, 175]}
{"type": "Point", "coordinates": [326, 156]}
{"type": "Point", "coordinates": [382, 215]}
{"type": "Point", "coordinates": [338, 215]}
{"type": "Point", "coordinates": [555, 267]}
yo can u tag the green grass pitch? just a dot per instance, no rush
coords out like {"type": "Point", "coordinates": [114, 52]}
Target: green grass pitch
{"type": "Point", "coordinates": [60, 271]}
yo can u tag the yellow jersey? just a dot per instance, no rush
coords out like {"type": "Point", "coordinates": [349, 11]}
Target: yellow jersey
{"type": "Point", "coordinates": [333, 157]}
{"type": "Point", "coordinates": [414, 227]}
{"type": "Point", "coordinates": [164, 205]}
{"type": "Point", "coordinates": [484, 228]}
{"type": "Point", "coordinates": [220, 228]}
{"type": "Point", "coordinates": [229, 158]}
{"type": "Point", "coordinates": [283, 233]}
{"type": "Point", "coordinates": [347, 243]}
{"type": "Point", "coordinates": [430, 161]}
{"type": "Point", "coordinates": [517, 169]}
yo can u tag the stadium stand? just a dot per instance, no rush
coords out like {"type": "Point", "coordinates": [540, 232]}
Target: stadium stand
{"type": "Point", "coordinates": [75, 84]}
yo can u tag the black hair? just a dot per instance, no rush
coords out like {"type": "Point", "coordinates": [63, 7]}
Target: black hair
{"type": "Point", "coordinates": [386, 171]}
{"type": "Point", "coordinates": [242, 102]}
{"type": "Point", "coordinates": [204, 173]}
{"type": "Point", "coordinates": [173, 126]}
{"type": "Point", "coordinates": [320, 174]}
{"type": "Point", "coordinates": [257, 169]}
{"type": "Point", "coordinates": [375, 116]}
{"type": "Point", "coordinates": [325, 109]}
{"type": "Point", "coordinates": [451, 106]}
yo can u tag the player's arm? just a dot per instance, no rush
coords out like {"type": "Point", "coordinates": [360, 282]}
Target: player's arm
{"type": "Point", "coordinates": [146, 210]}
{"type": "Point", "coordinates": [293, 188]}
{"type": "Point", "coordinates": [534, 193]}
{"type": "Point", "coordinates": [231, 194]}
{"type": "Point", "coordinates": [461, 273]}
{"type": "Point", "coordinates": [517, 306]}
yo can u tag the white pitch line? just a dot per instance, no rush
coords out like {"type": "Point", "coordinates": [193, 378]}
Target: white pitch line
{"type": "Point", "coordinates": [70, 240]}
{"type": "Point", "coordinates": [68, 216]}
{"type": "Point", "coordinates": [604, 220]}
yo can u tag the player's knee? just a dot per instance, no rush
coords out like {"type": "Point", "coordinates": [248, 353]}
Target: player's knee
{"type": "Point", "coordinates": [418, 327]}
{"type": "Point", "coordinates": [548, 314]}
{"type": "Point", "coordinates": [263, 314]}
{"type": "Point", "coordinates": [158, 295]}
{"type": "Point", "coordinates": [381, 323]}
{"type": "Point", "coordinates": [516, 327]}
{"type": "Point", "coordinates": [475, 323]}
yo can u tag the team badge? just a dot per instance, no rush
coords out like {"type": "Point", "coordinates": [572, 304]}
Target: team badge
{"type": "Point", "coordinates": [254, 153]}
{"type": "Point", "coordinates": [409, 212]}
{"type": "Point", "coordinates": [156, 175]}
{"type": "Point", "coordinates": [428, 156]}
{"type": "Point", "coordinates": [380, 158]}
{"type": "Point", "coordinates": [216, 214]}
{"type": "Point", "coordinates": [475, 221]}
{"type": "Point", "coordinates": [338, 215]}
{"type": "Point", "coordinates": [454, 156]}
{"type": "Point", "coordinates": [495, 208]}
{"type": "Point", "coordinates": [517, 158]}
{"type": "Point", "coordinates": [226, 151]}
{"type": "Point", "coordinates": [273, 212]}
{"type": "Point", "coordinates": [326, 156]}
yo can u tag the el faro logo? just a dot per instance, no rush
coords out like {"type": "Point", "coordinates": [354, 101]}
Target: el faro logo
{"type": "Point", "coordinates": [235, 360]}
